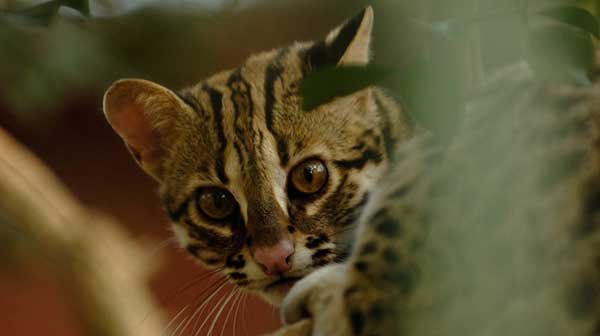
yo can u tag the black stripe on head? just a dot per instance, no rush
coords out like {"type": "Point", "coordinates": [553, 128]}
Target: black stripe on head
{"type": "Point", "coordinates": [389, 140]}
{"type": "Point", "coordinates": [322, 54]}
{"type": "Point", "coordinates": [241, 97]}
{"type": "Point", "coordinates": [189, 99]}
{"type": "Point", "coordinates": [273, 74]}
{"type": "Point", "coordinates": [185, 97]}
{"type": "Point", "coordinates": [216, 102]}
{"type": "Point", "coordinates": [175, 212]}
{"type": "Point", "coordinates": [369, 155]}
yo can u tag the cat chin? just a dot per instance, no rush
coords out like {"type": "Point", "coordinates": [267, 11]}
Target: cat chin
{"type": "Point", "coordinates": [276, 295]}
{"type": "Point", "coordinates": [272, 297]}
{"type": "Point", "coordinates": [277, 290]}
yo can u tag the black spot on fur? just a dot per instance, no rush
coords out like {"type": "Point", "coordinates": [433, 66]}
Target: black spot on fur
{"type": "Point", "coordinates": [236, 262]}
{"type": "Point", "coordinates": [388, 227]}
{"type": "Point", "coordinates": [238, 276]}
{"type": "Point", "coordinates": [583, 298]}
{"type": "Point", "coordinates": [591, 210]}
{"type": "Point", "coordinates": [314, 242]}
{"type": "Point", "coordinates": [321, 253]}
{"type": "Point", "coordinates": [368, 248]}
{"type": "Point", "coordinates": [291, 229]}
{"type": "Point", "coordinates": [361, 266]}
{"type": "Point", "coordinates": [376, 312]}
{"type": "Point", "coordinates": [390, 256]}
{"type": "Point", "coordinates": [357, 319]}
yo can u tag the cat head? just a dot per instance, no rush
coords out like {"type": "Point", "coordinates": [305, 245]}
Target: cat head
{"type": "Point", "coordinates": [253, 183]}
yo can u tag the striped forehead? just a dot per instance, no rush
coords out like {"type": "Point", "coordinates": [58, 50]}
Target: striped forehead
{"type": "Point", "coordinates": [237, 140]}
{"type": "Point", "coordinates": [240, 110]}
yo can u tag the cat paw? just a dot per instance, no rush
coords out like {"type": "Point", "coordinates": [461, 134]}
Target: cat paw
{"type": "Point", "coordinates": [320, 298]}
{"type": "Point", "coordinates": [301, 328]}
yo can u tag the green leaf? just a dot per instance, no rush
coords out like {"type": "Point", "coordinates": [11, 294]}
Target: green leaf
{"type": "Point", "coordinates": [41, 14]}
{"type": "Point", "coordinates": [561, 54]}
{"type": "Point", "coordinates": [431, 91]}
{"type": "Point", "coordinates": [322, 86]}
{"type": "Point", "coordinates": [82, 6]}
{"type": "Point", "coordinates": [574, 16]}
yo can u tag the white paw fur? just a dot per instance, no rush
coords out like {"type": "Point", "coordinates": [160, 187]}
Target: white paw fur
{"type": "Point", "coordinates": [320, 298]}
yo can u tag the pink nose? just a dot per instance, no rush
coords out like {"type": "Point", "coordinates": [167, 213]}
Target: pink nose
{"type": "Point", "coordinates": [275, 259]}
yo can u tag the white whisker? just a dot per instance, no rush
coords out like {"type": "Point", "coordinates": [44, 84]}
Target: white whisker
{"type": "Point", "coordinates": [237, 292]}
{"type": "Point", "coordinates": [178, 326]}
{"type": "Point", "coordinates": [201, 307]}
{"type": "Point", "coordinates": [237, 309]}
{"type": "Point", "coordinates": [213, 309]}
{"type": "Point", "coordinates": [166, 329]}
{"type": "Point", "coordinates": [245, 324]}
{"type": "Point", "coordinates": [212, 326]}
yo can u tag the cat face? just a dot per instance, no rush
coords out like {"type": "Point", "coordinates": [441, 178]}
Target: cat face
{"type": "Point", "coordinates": [251, 182]}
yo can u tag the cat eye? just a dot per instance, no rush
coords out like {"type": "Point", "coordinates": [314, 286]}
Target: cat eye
{"type": "Point", "coordinates": [309, 176]}
{"type": "Point", "coordinates": [216, 203]}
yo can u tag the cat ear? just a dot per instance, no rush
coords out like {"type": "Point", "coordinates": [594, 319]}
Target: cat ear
{"type": "Point", "coordinates": [348, 44]}
{"type": "Point", "coordinates": [146, 116]}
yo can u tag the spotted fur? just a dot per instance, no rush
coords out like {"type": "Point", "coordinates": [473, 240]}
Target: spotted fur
{"type": "Point", "coordinates": [493, 234]}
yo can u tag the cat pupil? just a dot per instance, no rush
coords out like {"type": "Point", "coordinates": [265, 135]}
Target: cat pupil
{"type": "Point", "coordinates": [308, 174]}
{"type": "Point", "coordinates": [220, 200]}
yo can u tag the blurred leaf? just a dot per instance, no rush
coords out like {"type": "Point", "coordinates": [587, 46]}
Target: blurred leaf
{"type": "Point", "coordinates": [430, 87]}
{"type": "Point", "coordinates": [560, 53]}
{"type": "Point", "coordinates": [82, 6]}
{"type": "Point", "coordinates": [432, 91]}
{"type": "Point", "coordinates": [322, 86]}
{"type": "Point", "coordinates": [41, 14]}
{"type": "Point", "coordinates": [574, 16]}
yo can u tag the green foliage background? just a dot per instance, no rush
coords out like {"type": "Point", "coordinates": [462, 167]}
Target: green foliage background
{"type": "Point", "coordinates": [436, 50]}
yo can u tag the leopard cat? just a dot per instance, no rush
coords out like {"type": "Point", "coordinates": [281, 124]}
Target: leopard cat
{"type": "Point", "coordinates": [355, 220]}
{"type": "Point", "coordinates": [252, 183]}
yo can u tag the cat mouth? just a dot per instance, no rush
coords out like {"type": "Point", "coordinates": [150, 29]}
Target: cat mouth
{"type": "Point", "coordinates": [282, 285]}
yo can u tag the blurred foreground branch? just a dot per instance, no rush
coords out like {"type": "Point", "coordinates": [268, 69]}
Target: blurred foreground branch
{"type": "Point", "coordinates": [105, 270]}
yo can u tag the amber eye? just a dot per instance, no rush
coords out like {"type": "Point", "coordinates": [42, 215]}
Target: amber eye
{"type": "Point", "coordinates": [216, 203]}
{"type": "Point", "coordinates": [309, 176]}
